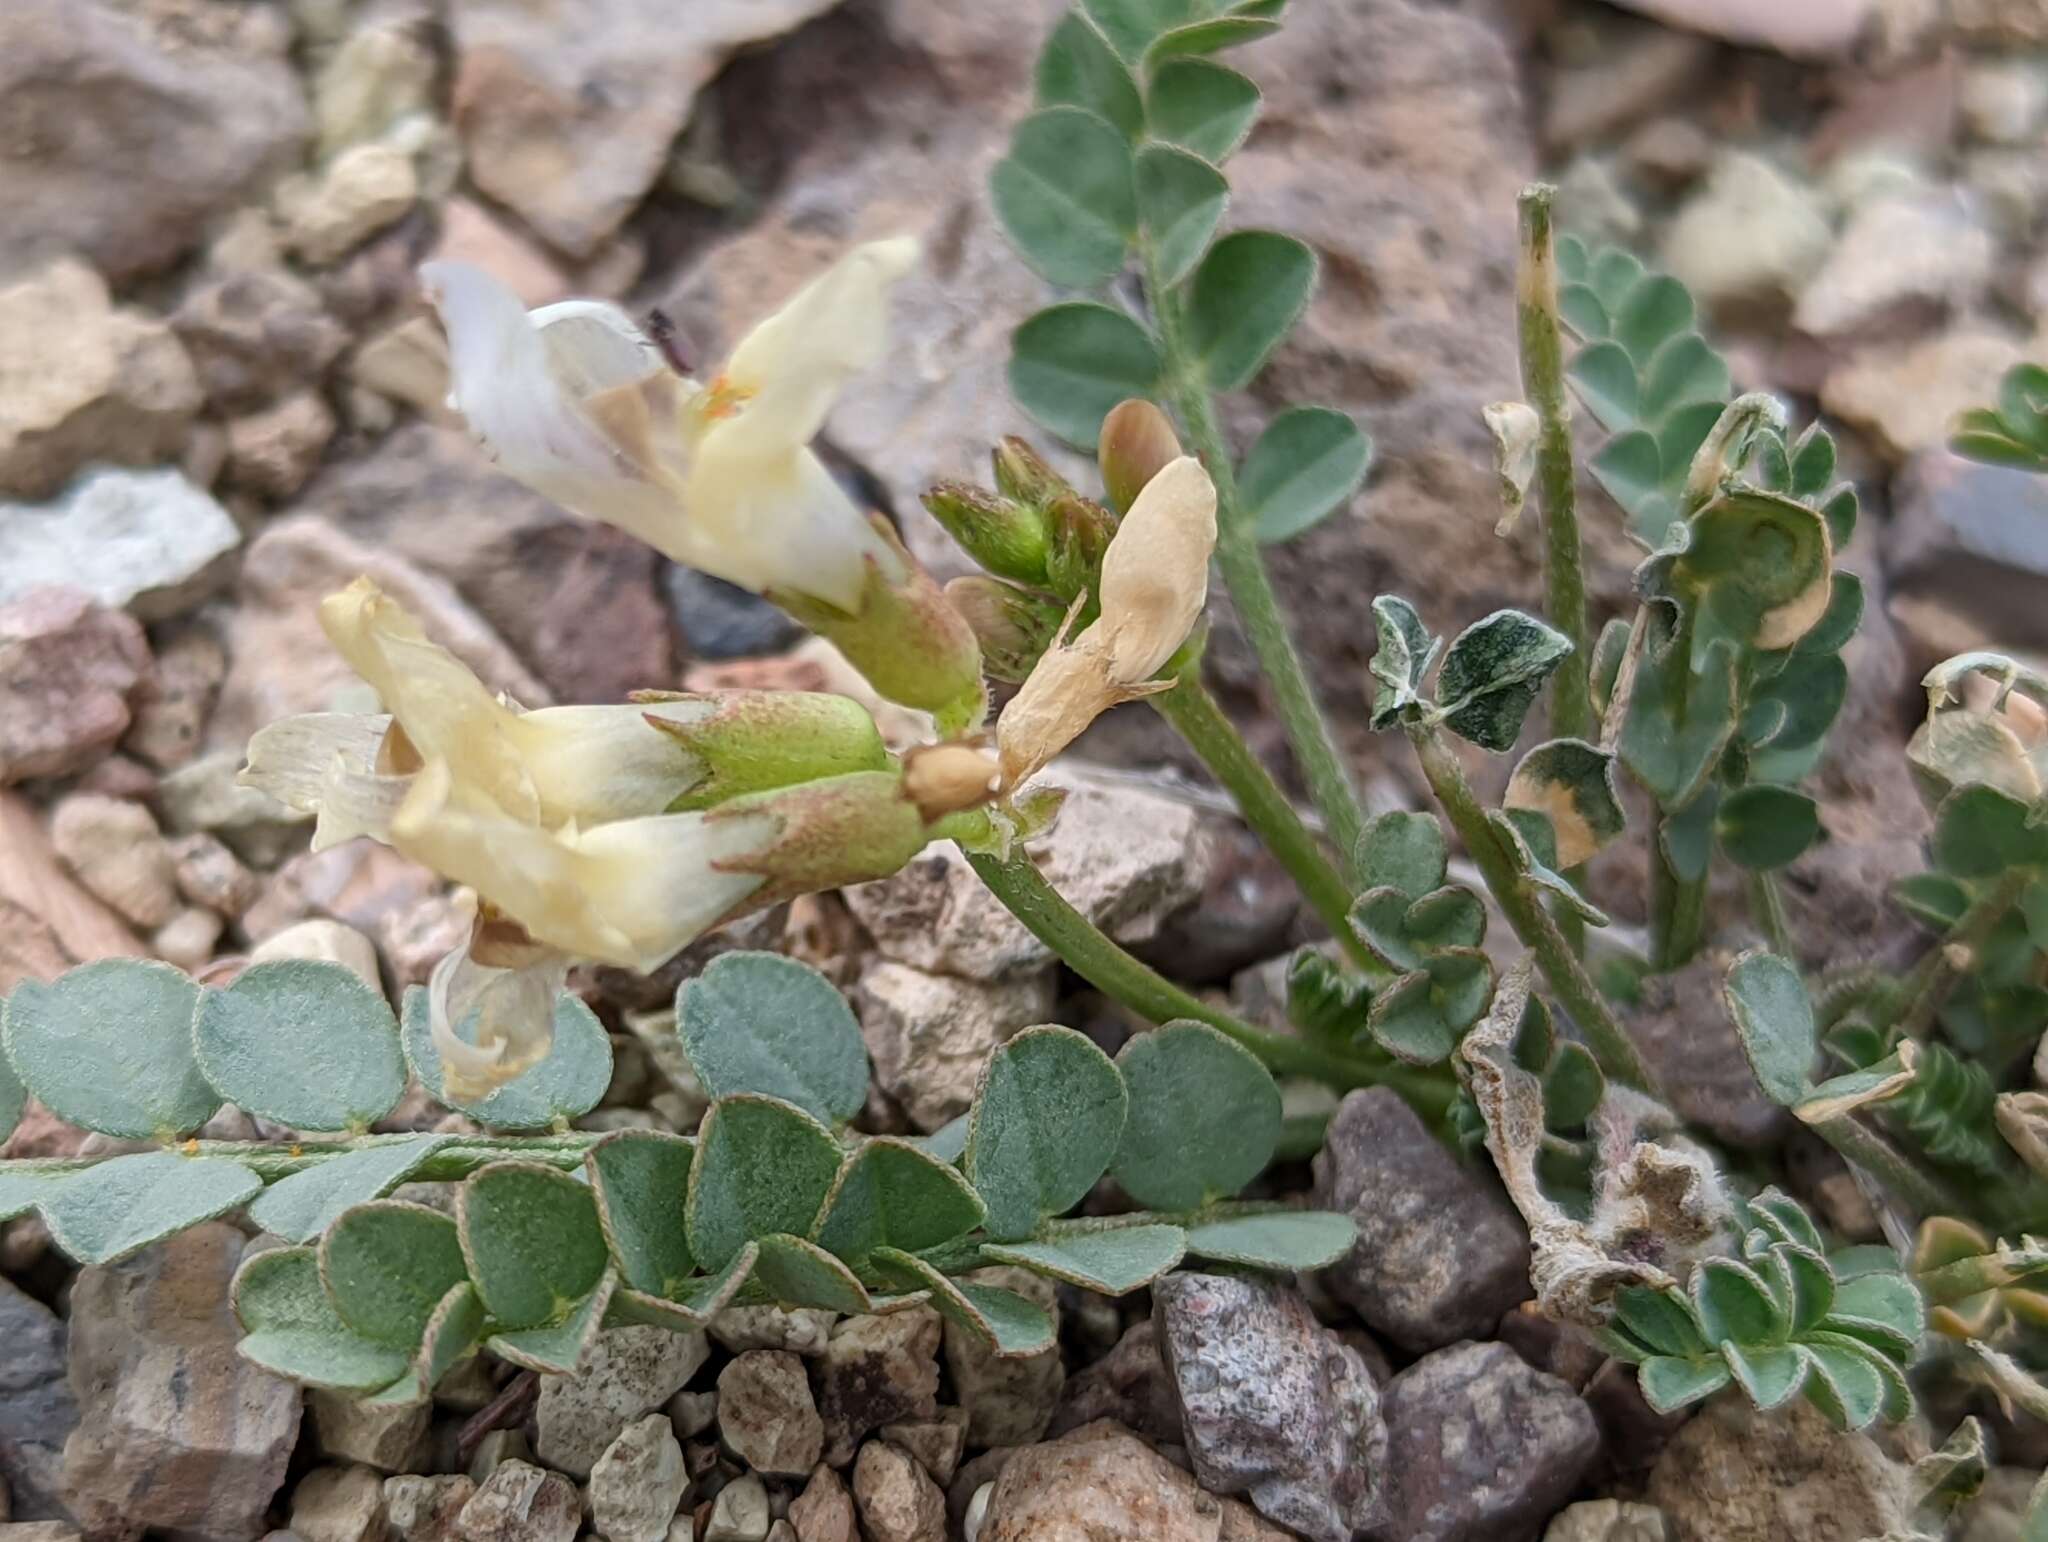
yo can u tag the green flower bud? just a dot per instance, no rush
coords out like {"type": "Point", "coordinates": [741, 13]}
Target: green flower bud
{"type": "Point", "coordinates": [750, 741]}
{"type": "Point", "coordinates": [1023, 474]}
{"type": "Point", "coordinates": [1006, 537]}
{"type": "Point", "coordinates": [1081, 529]}
{"type": "Point", "coordinates": [1013, 625]}
{"type": "Point", "coordinates": [846, 829]}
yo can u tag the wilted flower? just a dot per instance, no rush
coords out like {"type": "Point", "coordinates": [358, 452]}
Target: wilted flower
{"type": "Point", "coordinates": [1155, 578]}
{"type": "Point", "coordinates": [1985, 724]}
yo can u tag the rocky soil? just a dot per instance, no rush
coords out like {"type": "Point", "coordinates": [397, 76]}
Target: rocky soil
{"type": "Point", "coordinates": [221, 397]}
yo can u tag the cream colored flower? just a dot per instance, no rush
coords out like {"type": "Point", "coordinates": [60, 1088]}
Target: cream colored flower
{"type": "Point", "coordinates": [575, 401]}
{"type": "Point", "coordinates": [1155, 579]}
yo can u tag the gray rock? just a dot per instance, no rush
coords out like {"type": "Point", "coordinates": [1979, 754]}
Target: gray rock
{"type": "Point", "coordinates": [67, 669]}
{"type": "Point", "coordinates": [339, 1504]}
{"type": "Point", "coordinates": [628, 1373]}
{"type": "Point", "coordinates": [1684, 1033]}
{"type": "Point", "coordinates": [740, 1513]}
{"type": "Point", "coordinates": [352, 1429]}
{"type": "Point", "coordinates": [1440, 1253]}
{"type": "Point", "coordinates": [203, 797]}
{"type": "Point", "coordinates": [693, 1413]}
{"type": "Point", "coordinates": [823, 1512]}
{"type": "Point", "coordinates": [721, 621]}
{"type": "Point", "coordinates": [1620, 72]}
{"type": "Point", "coordinates": [1968, 539]}
{"type": "Point", "coordinates": [876, 1371]}
{"type": "Point", "coordinates": [146, 541]}
{"type": "Point", "coordinates": [801, 1331]}
{"type": "Point", "coordinates": [1274, 1406]}
{"type": "Point", "coordinates": [1608, 1520]}
{"type": "Point", "coordinates": [522, 1503]}
{"type": "Point", "coordinates": [766, 1414]}
{"type": "Point", "coordinates": [40, 1531]}
{"type": "Point", "coordinates": [1480, 1446]}
{"type": "Point", "coordinates": [1736, 1475]}
{"type": "Point", "coordinates": [1749, 239]}
{"type": "Point", "coordinates": [1130, 1385]}
{"type": "Point", "coordinates": [426, 1509]}
{"type": "Point", "coordinates": [255, 334]}
{"type": "Point", "coordinates": [176, 1430]}
{"type": "Point", "coordinates": [929, 1035]}
{"type": "Point", "coordinates": [638, 1482]}
{"type": "Point", "coordinates": [37, 1411]}
{"type": "Point", "coordinates": [496, 1449]}
{"type": "Point", "coordinates": [897, 1499]}
{"type": "Point", "coordinates": [272, 452]}
{"type": "Point", "coordinates": [171, 708]}
{"type": "Point", "coordinates": [208, 874]}
{"type": "Point", "coordinates": [936, 1443]}
{"type": "Point", "coordinates": [1099, 1481]}
{"type": "Point", "coordinates": [1901, 260]}
{"type": "Point", "coordinates": [1009, 1402]}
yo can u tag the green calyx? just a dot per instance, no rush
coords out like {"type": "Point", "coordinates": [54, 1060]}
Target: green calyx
{"type": "Point", "coordinates": [1008, 537]}
{"type": "Point", "coordinates": [755, 741]}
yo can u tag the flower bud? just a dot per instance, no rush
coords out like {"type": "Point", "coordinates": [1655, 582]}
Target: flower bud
{"type": "Point", "coordinates": [1023, 474]}
{"type": "Point", "coordinates": [1136, 442]}
{"type": "Point", "coordinates": [847, 829]}
{"type": "Point", "coordinates": [750, 741]}
{"type": "Point", "coordinates": [1081, 531]}
{"type": "Point", "coordinates": [944, 779]}
{"type": "Point", "coordinates": [1005, 536]}
{"type": "Point", "coordinates": [1014, 626]}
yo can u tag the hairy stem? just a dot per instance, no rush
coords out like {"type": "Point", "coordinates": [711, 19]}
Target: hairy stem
{"type": "Point", "coordinates": [1907, 1180]}
{"type": "Point", "coordinates": [1564, 578]}
{"type": "Point", "coordinates": [1251, 588]}
{"type": "Point", "coordinates": [1519, 901]}
{"type": "Point", "coordinates": [1767, 909]}
{"type": "Point", "coordinates": [1955, 955]}
{"type": "Point", "coordinates": [1197, 718]}
{"type": "Point", "coordinates": [272, 1160]}
{"type": "Point", "coordinates": [1678, 908]}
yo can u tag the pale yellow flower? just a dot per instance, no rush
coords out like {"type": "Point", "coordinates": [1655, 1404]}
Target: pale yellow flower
{"type": "Point", "coordinates": [1155, 579]}
{"type": "Point", "coordinates": [578, 403]}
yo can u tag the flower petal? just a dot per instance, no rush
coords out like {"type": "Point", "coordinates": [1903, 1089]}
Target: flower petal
{"type": "Point", "coordinates": [490, 1025]}
{"type": "Point", "coordinates": [591, 765]}
{"type": "Point", "coordinates": [660, 882]}
{"type": "Point", "coordinates": [780, 522]}
{"type": "Point", "coordinates": [1155, 575]}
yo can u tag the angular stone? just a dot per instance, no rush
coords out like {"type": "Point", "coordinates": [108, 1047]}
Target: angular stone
{"type": "Point", "coordinates": [628, 1373]}
{"type": "Point", "coordinates": [929, 1035]}
{"type": "Point", "coordinates": [37, 1411]}
{"type": "Point", "coordinates": [1907, 397]}
{"type": "Point", "coordinates": [271, 453]}
{"type": "Point", "coordinates": [1008, 1402]}
{"type": "Point", "coordinates": [766, 1415]}
{"type": "Point", "coordinates": [1608, 1520]}
{"type": "Point", "coordinates": [897, 1499]}
{"type": "Point", "coordinates": [339, 1504]}
{"type": "Point", "coordinates": [1749, 240]}
{"type": "Point", "coordinates": [116, 851]}
{"type": "Point", "coordinates": [1623, 71]}
{"type": "Point", "coordinates": [426, 1509]}
{"type": "Point", "coordinates": [327, 942]}
{"type": "Point", "coordinates": [1901, 260]}
{"type": "Point", "coordinates": [875, 1371]}
{"type": "Point", "coordinates": [146, 541]}
{"type": "Point", "coordinates": [637, 1484]}
{"type": "Point", "coordinates": [495, 1450]}
{"type": "Point", "coordinates": [67, 669]}
{"type": "Point", "coordinates": [1129, 1385]}
{"type": "Point", "coordinates": [1964, 537]}
{"type": "Point", "coordinates": [48, 921]}
{"type": "Point", "coordinates": [1692, 1048]}
{"type": "Point", "coordinates": [522, 1503]}
{"type": "Point", "coordinates": [1736, 1475]}
{"type": "Point", "coordinates": [823, 1512]}
{"type": "Point", "coordinates": [1274, 1406]}
{"type": "Point", "coordinates": [176, 1430]}
{"type": "Point", "coordinates": [352, 1429]}
{"type": "Point", "coordinates": [740, 1513]}
{"type": "Point", "coordinates": [1440, 1253]}
{"type": "Point", "coordinates": [1100, 1481]}
{"type": "Point", "coordinates": [568, 118]}
{"type": "Point", "coordinates": [203, 796]}
{"type": "Point", "coordinates": [936, 1443]}
{"type": "Point", "coordinates": [208, 874]}
{"type": "Point", "coordinates": [1124, 857]}
{"type": "Point", "coordinates": [801, 1331]}
{"type": "Point", "coordinates": [358, 193]}
{"type": "Point", "coordinates": [169, 711]}
{"type": "Point", "coordinates": [255, 334]}
{"type": "Point", "coordinates": [1480, 1445]}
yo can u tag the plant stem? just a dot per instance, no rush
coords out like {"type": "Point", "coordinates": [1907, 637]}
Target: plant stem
{"type": "Point", "coordinates": [1197, 718]}
{"type": "Point", "coordinates": [1567, 975]}
{"type": "Point", "coordinates": [1877, 1156]}
{"type": "Point", "coordinates": [1767, 909]}
{"type": "Point", "coordinates": [272, 1160]}
{"type": "Point", "coordinates": [1927, 987]}
{"type": "Point", "coordinates": [1251, 588]}
{"type": "Point", "coordinates": [1678, 908]}
{"type": "Point", "coordinates": [1564, 578]}
{"type": "Point", "coordinates": [1085, 949]}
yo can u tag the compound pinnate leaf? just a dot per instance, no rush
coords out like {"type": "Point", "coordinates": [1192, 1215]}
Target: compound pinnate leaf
{"type": "Point", "coordinates": [112, 1209]}
{"type": "Point", "coordinates": [641, 1179]}
{"type": "Point", "coordinates": [302, 1206]}
{"type": "Point", "coordinates": [890, 1193]}
{"type": "Point", "coordinates": [1071, 363]}
{"type": "Point", "coordinates": [557, 1348]}
{"type": "Point", "coordinates": [1204, 1117]}
{"type": "Point", "coordinates": [1571, 783]}
{"type": "Point", "coordinates": [802, 1274]}
{"type": "Point", "coordinates": [1047, 1119]}
{"type": "Point", "coordinates": [1882, 1310]}
{"type": "Point", "coordinates": [1768, 1002]}
{"type": "Point", "coordinates": [1078, 68]}
{"type": "Point", "coordinates": [1130, 25]}
{"type": "Point", "coordinates": [1757, 570]}
{"type": "Point", "coordinates": [763, 1167]}
{"type": "Point", "coordinates": [1420, 1016]}
{"type": "Point", "coordinates": [532, 1242]}
{"type": "Point", "coordinates": [1207, 37]}
{"type": "Point", "coordinates": [292, 1328]}
{"type": "Point", "coordinates": [1306, 463]}
{"type": "Point", "coordinates": [387, 1265]}
{"type": "Point", "coordinates": [564, 1086]}
{"type": "Point", "coordinates": [1014, 1325]}
{"type": "Point", "coordinates": [1764, 826]}
{"type": "Point", "coordinates": [1201, 106]}
{"type": "Point", "coordinates": [1491, 675]}
{"type": "Point", "coordinates": [1405, 851]}
{"type": "Point", "coordinates": [1245, 298]}
{"type": "Point", "coordinates": [1284, 1240]}
{"type": "Point", "coordinates": [1065, 194]}
{"type": "Point", "coordinates": [1405, 651]}
{"type": "Point", "coordinates": [303, 1042]}
{"type": "Point", "coordinates": [108, 1045]}
{"type": "Point", "coordinates": [1180, 201]}
{"type": "Point", "coordinates": [1679, 720]}
{"type": "Point", "coordinates": [759, 1022]}
{"type": "Point", "coordinates": [1111, 1262]}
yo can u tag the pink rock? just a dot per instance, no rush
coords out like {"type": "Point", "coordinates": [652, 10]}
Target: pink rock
{"type": "Point", "coordinates": [67, 669]}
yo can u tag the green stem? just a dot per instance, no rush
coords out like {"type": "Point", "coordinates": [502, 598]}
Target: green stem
{"type": "Point", "coordinates": [1518, 900]}
{"type": "Point", "coordinates": [270, 1160]}
{"type": "Point", "coordinates": [1084, 948]}
{"type": "Point", "coordinates": [1251, 588]}
{"type": "Point", "coordinates": [1918, 1188]}
{"type": "Point", "coordinates": [1571, 700]}
{"type": "Point", "coordinates": [1197, 718]}
{"type": "Point", "coordinates": [1927, 987]}
{"type": "Point", "coordinates": [1767, 909]}
{"type": "Point", "coordinates": [1678, 908]}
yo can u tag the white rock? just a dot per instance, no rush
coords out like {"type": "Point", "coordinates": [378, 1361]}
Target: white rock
{"type": "Point", "coordinates": [353, 1429]}
{"type": "Point", "coordinates": [1750, 237]}
{"type": "Point", "coordinates": [339, 1504]}
{"type": "Point", "coordinates": [2003, 100]}
{"type": "Point", "coordinates": [1801, 28]}
{"type": "Point", "coordinates": [328, 941]}
{"type": "Point", "coordinates": [740, 1513]}
{"type": "Point", "coordinates": [117, 852]}
{"type": "Point", "coordinates": [366, 188]}
{"type": "Point", "coordinates": [628, 1373]}
{"type": "Point", "coordinates": [382, 74]}
{"type": "Point", "coordinates": [145, 541]}
{"type": "Point", "coordinates": [425, 1509]}
{"type": "Point", "coordinates": [1897, 256]}
{"type": "Point", "coordinates": [637, 1484]}
{"type": "Point", "coordinates": [929, 1034]}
